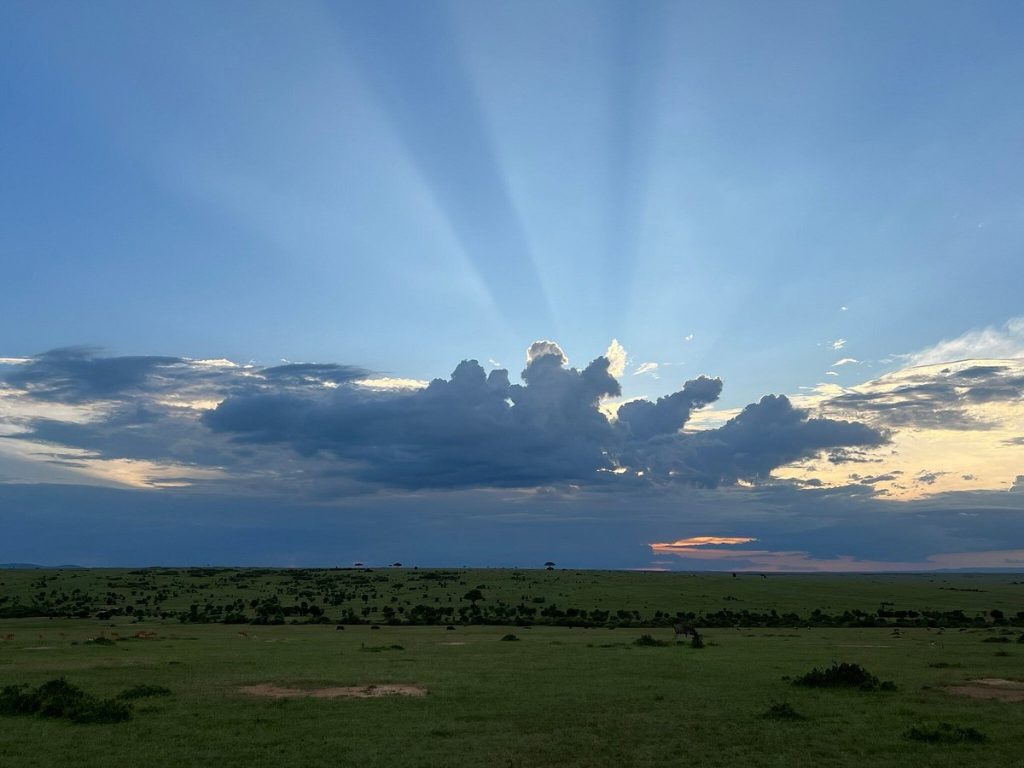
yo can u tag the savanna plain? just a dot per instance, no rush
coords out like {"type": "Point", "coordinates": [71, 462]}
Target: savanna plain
{"type": "Point", "coordinates": [449, 667]}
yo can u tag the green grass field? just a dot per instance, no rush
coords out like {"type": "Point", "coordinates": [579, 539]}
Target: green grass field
{"type": "Point", "coordinates": [559, 696]}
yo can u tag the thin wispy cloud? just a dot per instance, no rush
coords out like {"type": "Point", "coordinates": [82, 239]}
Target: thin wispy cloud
{"type": "Point", "coordinates": [991, 342]}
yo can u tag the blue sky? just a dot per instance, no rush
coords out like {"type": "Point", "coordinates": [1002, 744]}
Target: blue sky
{"type": "Point", "coordinates": [804, 199]}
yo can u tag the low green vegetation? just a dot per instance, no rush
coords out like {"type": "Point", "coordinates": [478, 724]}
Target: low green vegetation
{"type": "Point", "coordinates": [622, 692]}
{"type": "Point", "coordinates": [945, 733]}
{"type": "Point", "coordinates": [843, 675]}
{"type": "Point", "coordinates": [59, 699]}
{"type": "Point", "coordinates": [782, 711]}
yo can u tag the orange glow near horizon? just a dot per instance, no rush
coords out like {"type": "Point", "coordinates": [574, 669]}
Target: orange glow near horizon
{"type": "Point", "coordinates": [699, 541]}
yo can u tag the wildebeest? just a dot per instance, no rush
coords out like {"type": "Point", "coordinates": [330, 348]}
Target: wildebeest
{"type": "Point", "coordinates": [682, 630]}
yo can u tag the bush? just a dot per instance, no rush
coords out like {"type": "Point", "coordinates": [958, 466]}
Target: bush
{"type": "Point", "coordinates": [61, 699]}
{"type": "Point", "coordinates": [945, 733]}
{"type": "Point", "coordinates": [996, 640]}
{"type": "Point", "coordinates": [101, 640]}
{"type": "Point", "coordinates": [143, 692]}
{"type": "Point", "coordinates": [379, 648]}
{"type": "Point", "coordinates": [782, 711]}
{"type": "Point", "coordinates": [648, 642]}
{"type": "Point", "coordinates": [843, 675]}
{"type": "Point", "coordinates": [510, 638]}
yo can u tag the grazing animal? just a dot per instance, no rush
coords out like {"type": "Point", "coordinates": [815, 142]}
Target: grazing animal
{"type": "Point", "coordinates": [450, 628]}
{"type": "Point", "coordinates": [682, 630]}
{"type": "Point", "coordinates": [339, 628]}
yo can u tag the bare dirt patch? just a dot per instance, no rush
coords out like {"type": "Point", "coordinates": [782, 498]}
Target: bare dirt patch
{"type": "Point", "coordinates": [990, 688]}
{"type": "Point", "coordinates": [457, 642]}
{"type": "Point", "coordinates": [351, 691]}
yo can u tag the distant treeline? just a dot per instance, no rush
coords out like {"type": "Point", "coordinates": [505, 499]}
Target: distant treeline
{"type": "Point", "coordinates": [271, 611]}
{"type": "Point", "coordinates": [409, 597]}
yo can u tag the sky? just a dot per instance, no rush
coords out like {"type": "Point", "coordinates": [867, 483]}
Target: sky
{"type": "Point", "coordinates": [667, 285]}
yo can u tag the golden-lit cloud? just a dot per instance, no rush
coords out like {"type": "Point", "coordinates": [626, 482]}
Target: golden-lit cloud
{"type": "Point", "coordinates": [688, 545]}
{"type": "Point", "coordinates": [952, 426]}
{"type": "Point", "coordinates": [391, 384]}
{"type": "Point", "coordinates": [616, 355]}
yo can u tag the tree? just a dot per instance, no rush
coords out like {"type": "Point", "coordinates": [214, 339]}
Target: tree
{"type": "Point", "coordinates": [473, 595]}
{"type": "Point", "coordinates": [549, 565]}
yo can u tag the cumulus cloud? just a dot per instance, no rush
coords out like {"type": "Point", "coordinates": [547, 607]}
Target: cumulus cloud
{"type": "Point", "coordinates": [668, 414]}
{"type": "Point", "coordinates": [346, 428]}
{"type": "Point", "coordinates": [543, 347]}
{"type": "Point", "coordinates": [765, 435]}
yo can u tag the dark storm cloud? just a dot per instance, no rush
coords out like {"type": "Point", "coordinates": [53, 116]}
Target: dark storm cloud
{"type": "Point", "coordinates": [479, 430]}
{"type": "Point", "coordinates": [664, 416]}
{"type": "Point", "coordinates": [80, 374]}
{"type": "Point", "coordinates": [765, 435]}
{"type": "Point", "coordinates": [314, 372]}
{"type": "Point", "coordinates": [473, 429]}
{"type": "Point", "coordinates": [318, 425]}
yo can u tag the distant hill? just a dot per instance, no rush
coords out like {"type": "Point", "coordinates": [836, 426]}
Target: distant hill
{"type": "Point", "coordinates": [31, 566]}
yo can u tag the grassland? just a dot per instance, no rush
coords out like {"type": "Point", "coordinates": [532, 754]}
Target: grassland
{"type": "Point", "coordinates": [580, 696]}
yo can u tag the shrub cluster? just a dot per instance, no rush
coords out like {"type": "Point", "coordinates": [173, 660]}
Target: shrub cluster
{"type": "Point", "coordinates": [649, 641]}
{"type": "Point", "coordinates": [61, 699]}
{"type": "Point", "coordinates": [843, 675]}
{"type": "Point", "coordinates": [143, 692]}
{"type": "Point", "coordinates": [782, 711]}
{"type": "Point", "coordinates": [945, 733]}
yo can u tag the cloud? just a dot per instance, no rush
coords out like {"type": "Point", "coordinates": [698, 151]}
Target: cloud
{"type": "Point", "coordinates": [473, 429]}
{"type": "Point", "coordinates": [938, 396]}
{"type": "Point", "coordinates": [844, 361]}
{"type": "Point", "coordinates": [668, 414]}
{"type": "Point", "coordinates": [540, 348]}
{"type": "Point", "coordinates": [78, 374]}
{"type": "Point", "coordinates": [960, 420]}
{"type": "Point", "coordinates": [686, 545]}
{"type": "Point", "coordinates": [616, 356]}
{"type": "Point", "coordinates": [326, 428]}
{"type": "Point", "coordinates": [765, 435]}
{"type": "Point", "coordinates": [1002, 342]}
{"type": "Point", "coordinates": [838, 344]}
{"type": "Point", "coordinates": [648, 368]}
